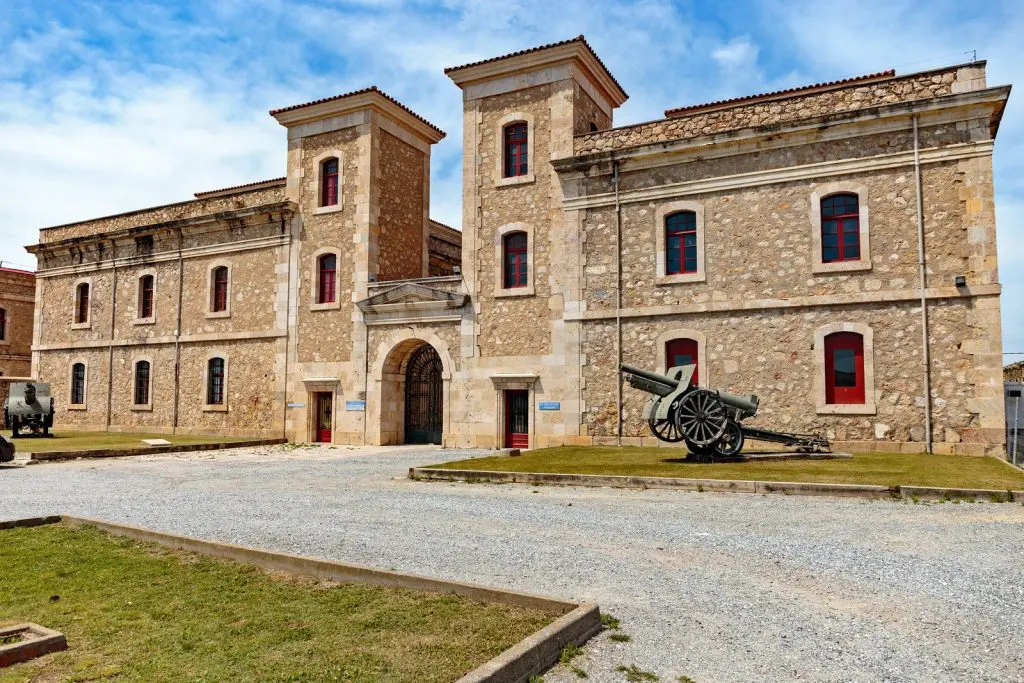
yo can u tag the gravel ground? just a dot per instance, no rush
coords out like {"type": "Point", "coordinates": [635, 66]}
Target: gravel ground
{"type": "Point", "coordinates": [717, 587]}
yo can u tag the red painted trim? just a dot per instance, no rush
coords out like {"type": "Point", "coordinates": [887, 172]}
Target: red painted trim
{"type": "Point", "coordinates": [329, 182]}
{"type": "Point", "coordinates": [146, 296]}
{"type": "Point", "coordinates": [675, 348]}
{"type": "Point", "coordinates": [516, 439]}
{"type": "Point", "coordinates": [517, 162]}
{"type": "Point", "coordinates": [82, 312]}
{"type": "Point", "coordinates": [220, 289]}
{"type": "Point", "coordinates": [680, 231]}
{"type": "Point", "coordinates": [327, 278]}
{"type": "Point", "coordinates": [844, 342]}
{"type": "Point", "coordinates": [841, 232]}
{"type": "Point", "coordinates": [514, 262]}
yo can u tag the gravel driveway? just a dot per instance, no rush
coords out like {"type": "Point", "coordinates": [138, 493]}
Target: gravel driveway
{"type": "Point", "coordinates": [717, 587]}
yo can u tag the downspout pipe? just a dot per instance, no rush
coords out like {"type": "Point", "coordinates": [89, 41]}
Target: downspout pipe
{"type": "Point", "coordinates": [618, 305]}
{"type": "Point", "coordinates": [177, 335]}
{"type": "Point", "coordinates": [926, 355]}
{"type": "Point", "coordinates": [113, 323]}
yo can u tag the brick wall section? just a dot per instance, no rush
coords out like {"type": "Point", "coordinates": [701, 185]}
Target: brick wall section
{"type": "Point", "coordinates": [774, 112]}
{"type": "Point", "coordinates": [161, 214]}
{"type": "Point", "coordinates": [401, 210]}
{"type": "Point", "coordinates": [17, 294]}
{"type": "Point", "coordinates": [527, 203]}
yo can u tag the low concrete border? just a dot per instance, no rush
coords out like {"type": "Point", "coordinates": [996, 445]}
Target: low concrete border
{"type": "Point", "coordinates": [38, 641]}
{"type": "Point", "coordinates": [577, 622]}
{"type": "Point", "coordinates": [793, 488]}
{"type": "Point", "coordinates": [151, 450]}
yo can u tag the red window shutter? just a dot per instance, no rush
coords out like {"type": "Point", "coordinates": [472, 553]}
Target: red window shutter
{"type": "Point", "coordinates": [844, 368]}
{"type": "Point", "coordinates": [681, 243]}
{"type": "Point", "coordinates": [682, 352]}
{"type": "Point", "coordinates": [517, 162]}
{"type": "Point", "coordinates": [220, 289]}
{"type": "Point", "coordinates": [514, 262]}
{"type": "Point", "coordinates": [146, 296]}
{"type": "Point", "coordinates": [840, 228]}
{"type": "Point", "coordinates": [327, 274]}
{"type": "Point", "coordinates": [329, 183]}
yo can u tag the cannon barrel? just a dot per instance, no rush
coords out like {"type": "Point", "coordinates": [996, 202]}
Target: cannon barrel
{"type": "Point", "coordinates": [652, 376]}
{"type": "Point", "coordinates": [747, 404]}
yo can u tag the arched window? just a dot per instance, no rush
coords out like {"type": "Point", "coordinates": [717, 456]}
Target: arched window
{"type": "Point", "coordinates": [840, 228]}
{"type": "Point", "coordinates": [681, 243]}
{"type": "Point", "coordinates": [142, 383]}
{"type": "Point", "coordinates": [77, 384]}
{"type": "Point", "coordinates": [145, 297]}
{"type": "Point", "coordinates": [327, 278]}
{"type": "Point", "coordinates": [82, 303]}
{"type": "Point", "coordinates": [516, 156]}
{"type": "Point", "coordinates": [219, 289]}
{"type": "Point", "coordinates": [844, 368]}
{"type": "Point", "coordinates": [329, 182]}
{"type": "Point", "coordinates": [682, 352]}
{"type": "Point", "coordinates": [215, 381]}
{"type": "Point", "coordinates": [514, 269]}
{"type": "Point", "coordinates": [3, 324]}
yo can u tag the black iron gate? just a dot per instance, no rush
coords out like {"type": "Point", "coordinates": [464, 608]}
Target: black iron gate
{"type": "Point", "coordinates": [423, 402]}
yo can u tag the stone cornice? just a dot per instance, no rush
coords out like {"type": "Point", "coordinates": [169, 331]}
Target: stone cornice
{"type": "Point", "coordinates": [213, 337]}
{"type": "Point", "coordinates": [368, 100]}
{"type": "Point", "coordinates": [754, 305]}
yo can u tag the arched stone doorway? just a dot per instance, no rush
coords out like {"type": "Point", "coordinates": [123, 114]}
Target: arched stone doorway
{"type": "Point", "coordinates": [424, 402]}
{"type": "Point", "coordinates": [411, 397]}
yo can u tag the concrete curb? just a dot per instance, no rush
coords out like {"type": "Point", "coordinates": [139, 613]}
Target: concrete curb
{"type": "Point", "coordinates": [577, 622]}
{"type": "Point", "coordinates": [150, 450]}
{"type": "Point", "coordinates": [792, 488]}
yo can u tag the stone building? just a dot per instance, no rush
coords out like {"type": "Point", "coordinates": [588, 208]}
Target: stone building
{"type": "Point", "coordinates": [17, 296]}
{"type": "Point", "coordinates": [783, 242]}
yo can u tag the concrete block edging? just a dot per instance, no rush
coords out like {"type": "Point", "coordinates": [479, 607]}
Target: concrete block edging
{"type": "Point", "coordinates": [152, 450]}
{"type": "Point", "coordinates": [717, 485]}
{"type": "Point", "coordinates": [577, 622]}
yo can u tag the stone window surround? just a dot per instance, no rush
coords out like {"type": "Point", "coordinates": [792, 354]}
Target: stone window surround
{"type": "Point", "coordinates": [499, 136]}
{"type": "Point", "coordinates": [214, 407]}
{"type": "Point", "coordinates": [318, 166]}
{"type": "Point", "coordinates": [85, 384]}
{"type": "Point", "coordinates": [87, 323]}
{"type": "Point", "coordinates": [821, 407]}
{"type": "Point", "coordinates": [660, 214]}
{"type": "Point", "coordinates": [138, 290]}
{"type": "Point", "coordinates": [500, 290]}
{"type": "Point", "coordinates": [318, 385]}
{"type": "Point", "coordinates": [5, 338]}
{"type": "Point", "coordinates": [841, 187]}
{"type": "Point", "coordinates": [314, 280]}
{"type": "Point", "coordinates": [703, 371]}
{"type": "Point", "coordinates": [141, 407]}
{"type": "Point", "coordinates": [503, 383]}
{"type": "Point", "coordinates": [210, 313]}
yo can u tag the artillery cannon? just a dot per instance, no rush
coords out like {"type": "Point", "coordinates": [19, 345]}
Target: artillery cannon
{"type": "Point", "coordinates": [707, 420]}
{"type": "Point", "coordinates": [29, 406]}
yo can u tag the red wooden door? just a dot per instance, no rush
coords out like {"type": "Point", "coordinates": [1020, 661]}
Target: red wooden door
{"type": "Point", "coordinates": [324, 413]}
{"type": "Point", "coordinates": [517, 419]}
{"type": "Point", "coordinates": [844, 368]}
{"type": "Point", "coordinates": [682, 352]}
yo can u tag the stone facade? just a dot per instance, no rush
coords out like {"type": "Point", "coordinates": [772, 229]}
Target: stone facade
{"type": "Point", "coordinates": [17, 296]}
{"type": "Point", "coordinates": [533, 359]}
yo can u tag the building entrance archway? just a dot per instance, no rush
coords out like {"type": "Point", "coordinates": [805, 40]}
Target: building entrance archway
{"type": "Point", "coordinates": [409, 404]}
{"type": "Point", "coordinates": [424, 403]}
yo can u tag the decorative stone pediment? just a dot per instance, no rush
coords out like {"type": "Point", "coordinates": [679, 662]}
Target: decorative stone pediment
{"type": "Point", "coordinates": [411, 302]}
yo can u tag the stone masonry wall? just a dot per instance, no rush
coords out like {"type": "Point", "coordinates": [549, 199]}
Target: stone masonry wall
{"type": "Point", "coordinates": [773, 112]}
{"type": "Point", "coordinates": [586, 112]}
{"type": "Point", "coordinates": [520, 203]}
{"type": "Point", "coordinates": [17, 295]}
{"type": "Point", "coordinates": [401, 210]}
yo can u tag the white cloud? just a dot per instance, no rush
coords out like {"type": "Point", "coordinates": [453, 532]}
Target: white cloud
{"type": "Point", "coordinates": [736, 54]}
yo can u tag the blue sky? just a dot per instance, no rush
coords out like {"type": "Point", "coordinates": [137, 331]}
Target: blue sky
{"type": "Point", "coordinates": [107, 105]}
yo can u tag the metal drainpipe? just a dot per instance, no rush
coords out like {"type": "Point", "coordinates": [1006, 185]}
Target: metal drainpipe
{"type": "Point", "coordinates": [924, 306]}
{"type": "Point", "coordinates": [618, 305]}
{"type": "Point", "coordinates": [177, 336]}
{"type": "Point", "coordinates": [113, 319]}
{"type": "Point", "coordinates": [287, 330]}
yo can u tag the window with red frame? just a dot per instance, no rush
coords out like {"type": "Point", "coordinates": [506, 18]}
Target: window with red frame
{"type": "Point", "coordinates": [82, 303]}
{"type": "Point", "coordinates": [682, 352]}
{"type": "Point", "coordinates": [219, 295]}
{"type": "Point", "coordinates": [516, 161]}
{"type": "Point", "coordinates": [681, 243]}
{"type": "Point", "coordinates": [840, 228]}
{"type": "Point", "coordinates": [3, 324]}
{"type": "Point", "coordinates": [146, 296]}
{"type": "Point", "coordinates": [515, 269]}
{"type": "Point", "coordinates": [329, 183]}
{"type": "Point", "coordinates": [844, 368]}
{"type": "Point", "coordinates": [78, 384]}
{"type": "Point", "coordinates": [142, 382]}
{"type": "Point", "coordinates": [327, 277]}
{"type": "Point", "coordinates": [215, 381]}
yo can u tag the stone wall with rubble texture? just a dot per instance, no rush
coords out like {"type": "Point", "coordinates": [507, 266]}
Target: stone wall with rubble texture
{"type": "Point", "coordinates": [163, 214]}
{"type": "Point", "coordinates": [521, 203]}
{"type": "Point", "coordinates": [774, 112]}
{"type": "Point", "coordinates": [326, 335]}
{"type": "Point", "coordinates": [401, 176]}
{"type": "Point", "coordinates": [17, 295]}
{"type": "Point", "coordinates": [55, 368]}
{"type": "Point", "coordinates": [586, 112]}
{"type": "Point", "coordinates": [771, 353]}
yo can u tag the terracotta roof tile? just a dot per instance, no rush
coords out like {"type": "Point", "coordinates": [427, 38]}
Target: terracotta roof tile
{"type": "Point", "coordinates": [372, 88]}
{"type": "Point", "coordinates": [205, 193]}
{"type": "Point", "coordinates": [693, 108]}
{"type": "Point", "coordinates": [19, 271]}
{"type": "Point", "coordinates": [577, 39]}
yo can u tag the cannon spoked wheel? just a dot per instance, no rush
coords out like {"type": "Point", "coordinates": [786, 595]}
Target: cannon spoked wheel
{"type": "Point", "coordinates": [700, 453]}
{"type": "Point", "coordinates": [665, 430]}
{"type": "Point", "coordinates": [731, 442]}
{"type": "Point", "coordinates": [701, 417]}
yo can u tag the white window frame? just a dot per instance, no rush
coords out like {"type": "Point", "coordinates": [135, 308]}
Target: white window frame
{"type": "Point", "coordinates": [531, 160]}
{"type": "Point", "coordinates": [85, 383]}
{"type": "Point", "coordinates": [215, 407]}
{"type": "Point", "coordinates": [210, 313]}
{"type": "Point", "coordinates": [821, 406]}
{"type": "Point", "coordinates": [660, 214]}
{"type": "Point", "coordinates": [138, 285]}
{"type": "Point", "coordinates": [135, 362]}
{"type": "Point", "coordinates": [864, 219]}
{"type": "Point", "coordinates": [318, 165]}
{"type": "Point", "coordinates": [87, 324]}
{"type": "Point", "coordinates": [314, 280]}
{"type": "Point", "coordinates": [500, 290]}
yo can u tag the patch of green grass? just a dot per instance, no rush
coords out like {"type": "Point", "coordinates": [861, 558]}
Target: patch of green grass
{"type": "Point", "coordinates": [90, 441]}
{"type": "Point", "coordinates": [608, 621]}
{"type": "Point", "coordinates": [620, 637]}
{"type": "Point", "coordinates": [569, 653]}
{"type": "Point", "coordinates": [885, 469]}
{"type": "Point", "coordinates": [686, 679]}
{"type": "Point", "coordinates": [634, 674]}
{"type": "Point", "coordinates": [143, 612]}
{"type": "Point", "coordinates": [580, 673]}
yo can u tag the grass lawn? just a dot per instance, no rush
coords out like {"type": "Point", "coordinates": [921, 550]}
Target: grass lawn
{"type": "Point", "coordinates": [81, 441]}
{"type": "Point", "coordinates": [143, 612]}
{"type": "Point", "coordinates": [869, 468]}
